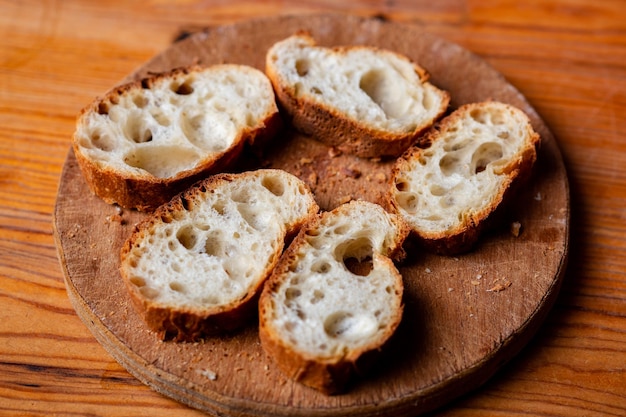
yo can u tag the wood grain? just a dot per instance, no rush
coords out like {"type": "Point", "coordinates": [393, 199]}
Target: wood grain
{"type": "Point", "coordinates": [465, 316]}
{"type": "Point", "coordinates": [566, 56]}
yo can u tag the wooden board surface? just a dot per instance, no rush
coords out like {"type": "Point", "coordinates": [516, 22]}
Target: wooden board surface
{"type": "Point", "coordinates": [465, 316]}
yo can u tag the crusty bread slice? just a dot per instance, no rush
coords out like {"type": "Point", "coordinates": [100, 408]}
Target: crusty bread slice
{"type": "Point", "coordinates": [196, 265]}
{"type": "Point", "coordinates": [335, 297]}
{"type": "Point", "coordinates": [447, 191]}
{"type": "Point", "coordinates": [362, 100]}
{"type": "Point", "coordinates": [145, 141]}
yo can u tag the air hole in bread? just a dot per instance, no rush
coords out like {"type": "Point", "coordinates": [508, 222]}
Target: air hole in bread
{"type": "Point", "coordinates": [316, 90]}
{"type": "Point", "coordinates": [184, 89]}
{"type": "Point", "coordinates": [251, 120]}
{"type": "Point", "coordinates": [137, 131]}
{"type": "Point", "coordinates": [503, 135]}
{"type": "Point", "coordinates": [187, 236]}
{"type": "Point", "coordinates": [297, 89]}
{"type": "Point", "coordinates": [207, 135]}
{"type": "Point", "coordinates": [292, 293]}
{"type": "Point", "coordinates": [161, 161]}
{"type": "Point", "coordinates": [402, 185]}
{"type": "Point", "coordinates": [497, 118]}
{"type": "Point", "coordinates": [342, 229]}
{"type": "Point", "coordinates": [447, 201]}
{"type": "Point", "coordinates": [356, 255]}
{"type": "Point", "coordinates": [345, 325]}
{"type": "Point", "coordinates": [361, 267]}
{"type": "Point", "coordinates": [100, 140]}
{"type": "Point", "coordinates": [274, 185]}
{"type": "Point", "coordinates": [479, 115]}
{"type": "Point", "coordinates": [486, 154]}
{"type": "Point", "coordinates": [140, 100]}
{"type": "Point", "coordinates": [302, 67]}
{"type": "Point", "coordinates": [450, 165]}
{"type": "Point", "coordinates": [408, 202]}
{"type": "Point", "coordinates": [317, 297]}
{"type": "Point", "coordinates": [202, 226]}
{"type": "Point", "coordinates": [138, 282]}
{"type": "Point", "coordinates": [386, 92]}
{"type": "Point", "coordinates": [321, 267]}
{"type": "Point", "coordinates": [213, 245]}
{"type": "Point", "coordinates": [220, 207]}
{"type": "Point", "coordinates": [437, 190]}
{"type": "Point", "coordinates": [103, 108]}
{"type": "Point", "coordinates": [251, 215]}
{"type": "Point", "coordinates": [149, 293]}
{"type": "Point", "coordinates": [187, 204]}
{"type": "Point", "coordinates": [176, 286]}
{"type": "Point", "coordinates": [210, 300]}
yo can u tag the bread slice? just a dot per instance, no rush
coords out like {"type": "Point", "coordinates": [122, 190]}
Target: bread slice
{"type": "Point", "coordinates": [145, 141]}
{"type": "Point", "coordinates": [447, 191]}
{"type": "Point", "coordinates": [197, 264]}
{"type": "Point", "coordinates": [362, 100]}
{"type": "Point", "coordinates": [335, 297]}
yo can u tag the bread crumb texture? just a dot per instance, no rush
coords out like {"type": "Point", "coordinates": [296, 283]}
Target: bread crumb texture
{"type": "Point", "coordinates": [474, 155]}
{"type": "Point", "coordinates": [214, 246]}
{"type": "Point", "coordinates": [174, 122]}
{"type": "Point", "coordinates": [372, 86]}
{"type": "Point", "coordinates": [339, 292]}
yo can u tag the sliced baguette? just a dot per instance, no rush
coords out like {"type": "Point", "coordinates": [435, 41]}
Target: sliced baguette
{"type": "Point", "coordinates": [197, 264]}
{"type": "Point", "coordinates": [145, 141]}
{"type": "Point", "coordinates": [447, 191]}
{"type": "Point", "coordinates": [362, 100]}
{"type": "Point", "coordinates": [335, 297]}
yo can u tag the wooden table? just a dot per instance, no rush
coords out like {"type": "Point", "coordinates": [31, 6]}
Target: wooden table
{"type": "Point", "coordinates": [567, 57]}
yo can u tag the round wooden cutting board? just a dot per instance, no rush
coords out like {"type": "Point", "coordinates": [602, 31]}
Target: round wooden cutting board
{"type": "Point", "coordinates": [464, 317]}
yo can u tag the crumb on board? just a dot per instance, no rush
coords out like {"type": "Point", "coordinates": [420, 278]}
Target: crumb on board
{"type": "Point", "coordinates": [208, 374]}
{"type": "Point", "coordinates": [116, 217]}
{"type": "Point", "coordinates": [516, 228]}
{"type": "Point", "coordinates": [500, 284]}
{"type": "Point", "coordinates": [334, 152]}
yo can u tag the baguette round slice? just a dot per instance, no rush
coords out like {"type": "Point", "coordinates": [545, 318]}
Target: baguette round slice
{"type": "Point", "coordinates": [478, 156]}
{"type": "Point", "coordinates": [335, 297]}
{"type": "Point", "coordinates": [145, 141]}
{"type": "Point", "coordinates": [362, 100]}
{"type": "Point", "coordinates": [196, 265]}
